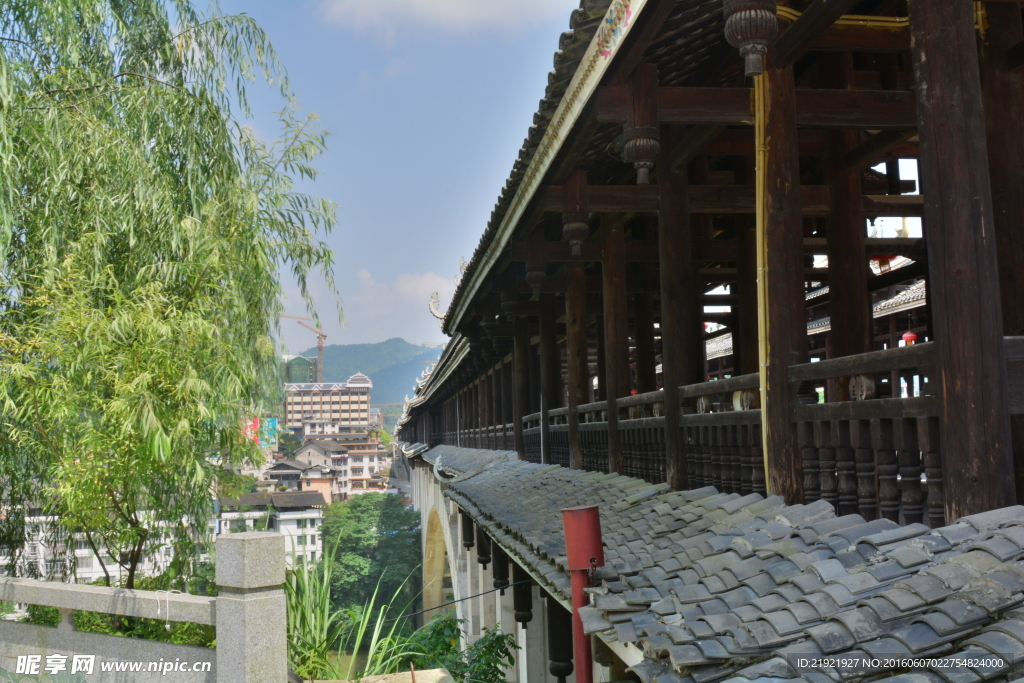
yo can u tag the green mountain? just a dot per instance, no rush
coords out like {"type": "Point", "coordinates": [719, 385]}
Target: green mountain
{"type": "Point", "coordinates": [392, 365]}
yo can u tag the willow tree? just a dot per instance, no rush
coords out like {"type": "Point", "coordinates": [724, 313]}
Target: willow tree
{"type": "Point", "coordinates": [143, 230]}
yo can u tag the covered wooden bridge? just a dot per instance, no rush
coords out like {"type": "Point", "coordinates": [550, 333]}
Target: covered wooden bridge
{"type": "Point", "coordinates": [698, 162]}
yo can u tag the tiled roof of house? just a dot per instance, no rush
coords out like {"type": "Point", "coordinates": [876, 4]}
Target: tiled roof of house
{"type": "Point", "coordinates": [724, 587]}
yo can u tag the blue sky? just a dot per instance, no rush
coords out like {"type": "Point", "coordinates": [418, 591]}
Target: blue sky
{"type": "Point", "coordinates": [428, 102]}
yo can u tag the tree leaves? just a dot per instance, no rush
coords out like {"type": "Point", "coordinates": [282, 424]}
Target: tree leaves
{"type": "Point", "coordinates": [143, 230]}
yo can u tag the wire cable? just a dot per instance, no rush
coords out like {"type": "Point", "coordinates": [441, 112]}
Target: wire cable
{"type": "Point", "coordinates": [446, 604]}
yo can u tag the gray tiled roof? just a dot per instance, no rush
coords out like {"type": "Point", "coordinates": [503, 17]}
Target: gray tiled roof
{"type": "Point", "coordinates": [454, 460]}
{"type": "Point", "coordinates": [718, 586]}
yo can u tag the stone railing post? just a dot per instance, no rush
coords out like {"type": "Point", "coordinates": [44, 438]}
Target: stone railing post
{"type": "Point", "coordinates": [251, 616]}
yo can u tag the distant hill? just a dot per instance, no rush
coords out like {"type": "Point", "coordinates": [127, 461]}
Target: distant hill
{"type": "Point", "coordinates": [393, 365]}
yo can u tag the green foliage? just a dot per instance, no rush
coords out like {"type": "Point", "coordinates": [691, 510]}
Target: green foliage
{"type": "Point", "coordinates": [42, 615]}
{"type": "Point", "coordinates": [142, 234]}
{"type": "Point", "coordinates": [315, 626]}
{"type": "Point", "coordinates": [437, 645]}
{"type": "Point", "coordinates": [375, 542]}
{"type": "Point", "coordinates": [288, 443]}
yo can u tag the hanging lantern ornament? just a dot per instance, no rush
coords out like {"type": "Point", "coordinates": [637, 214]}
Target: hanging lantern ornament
{"type": "Point", "coordinates": [909, 337]}
{"type": "Point", "coordinates": [643, 137]}
{"type": "Point", "coordinates": [575, 229]}
{"type": "Point", "coordinates": [535, 276]}
{"type": "Point", "coordinates": [751, 26]}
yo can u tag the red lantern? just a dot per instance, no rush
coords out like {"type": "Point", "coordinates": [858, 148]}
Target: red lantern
{"type": "Point", "coordinates": [909, 337]}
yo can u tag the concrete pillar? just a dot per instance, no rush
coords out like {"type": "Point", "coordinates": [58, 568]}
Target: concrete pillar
{"type": "Point", "coordinates": [488, 611]}
{"type": "Point", "coordinates": [252, 644]}
{"type": "Point", "coordinates": [507, 619]}
{"type": "Point", "coordinates": [532, 641]}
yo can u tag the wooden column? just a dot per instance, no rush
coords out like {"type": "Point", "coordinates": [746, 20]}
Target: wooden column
{"type": "Point", "coordinates": [616, 330]}
{"type": "Point", "coordinates": [963, 270]}
{"type": "Point", "coordinates": [784, 309]}
{"type": "Point", "coordinates": [576, 353]}
{"type": "Point", "coordinates": [849, 303]}
{"type": "Point", "coordinates": [643, 316]}
{"type": "Point", "coordinates": [497, 417]}
{"type": "Point", "coordinates": [1003, 91]}
{"type": "Point", "coordinates": [520, 386]}
{"type": "Point", "coordinates": [550, 372]}
{"type": "Point", "coordinates": [680, 328]}
{"type": "Point", "coordinates": [744, 335]}
{"type": "Point", "coordinates": [602, 377]}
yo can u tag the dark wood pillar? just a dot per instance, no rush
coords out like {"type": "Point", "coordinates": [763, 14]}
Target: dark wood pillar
{"type": "Point", "coordinates": [744, 334]}
{"type": "Point", "coordinates": [786, 314]}
{"type": "Point", "coordinates": [1003, 91]}
{"type": "Point", "coordinates": [576, 353]}
{"type": "Point", "coordinates": [520, 386]}
{"type": "Point", "coordinates": [680, 326]}
{"type": "Point", "coordinates": [602, 378]}
{"type": "Point", "coordinates": [616, 330]}
{"type": "Point", "coordinates": [535, 386]}
{"type": "Point", "coordinates": [643, 317]}
{"type": "Point", "coordinates": [550, 372]}
{"type": "Point", "coordinates": [849, 303]}
{"type": "Point", "coordinates": [963, 270]}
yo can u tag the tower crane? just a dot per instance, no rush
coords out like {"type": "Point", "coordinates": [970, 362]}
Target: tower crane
{"type": "Point", "coordinates": [320, 336]}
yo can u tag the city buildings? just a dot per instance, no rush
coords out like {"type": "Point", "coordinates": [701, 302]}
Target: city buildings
{"type": "Point", "coordinates": [328, 403]}
{"type": "Point", "coordinates": [298, 515]}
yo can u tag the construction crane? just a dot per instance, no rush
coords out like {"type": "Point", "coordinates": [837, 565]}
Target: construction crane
{"type": "Point", "coordinates": [320, 336]}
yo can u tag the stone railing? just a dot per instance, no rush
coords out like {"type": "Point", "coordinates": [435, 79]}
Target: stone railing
{"type": "Point", "coordinates": [249, 615]}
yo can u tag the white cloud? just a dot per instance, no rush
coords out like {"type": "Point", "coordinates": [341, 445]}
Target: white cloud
{"type": "Point", "coordinates": [444, 14]}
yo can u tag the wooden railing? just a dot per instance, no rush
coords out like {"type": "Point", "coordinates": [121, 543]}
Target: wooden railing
{"type": "Point", "coordinates": [868, 455]}
{"type": "Point", "coordinates": [876, 453]}
{"type": "Point", "coordinates": [722, 434]}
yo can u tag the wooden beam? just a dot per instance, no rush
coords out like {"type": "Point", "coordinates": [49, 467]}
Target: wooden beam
{"type": "Point", "coordinates": [679, 322]}
{"type": "Point", "coordinates": [801, 34]}
{"type": "Point", "coordinates": [520, 387]}
{"type": "Point", "coordinates": [785, 338]}
{"type": "Point", "coordinates": [849, 303]}
{"type": "Point", "coordinates": [1002, 81]}
{"type": "Point", "coordinates": [963, 282]}
{"type": "Point", "coordinates": [870, 109]}
{"type": "Point", "coordinates": [697, 138]}
{"type": "Point", "coordinates": [1015, 57]}
{"type": "Point", "coordinates": [880, 144]}
{"type": "Point", "coordinates": [854, 38]}
{"type": "Point", "coordinates": [616, 331]}
{"type": "Point", "coordinates": [576, 347]}
{"type": "Point", "coordinates": [816, 108]}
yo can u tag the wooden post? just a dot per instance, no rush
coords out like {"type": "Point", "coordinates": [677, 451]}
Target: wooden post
{"type": "Point", "coordinates": [602, 377]}
{"type": "Point", "coordinates": [576, 353]}
{"type": "Point", "coordinates": [680, 326]}
{"type": "Point", "coordinates": [782, 311]}
{"type": "Point", "coordinates": [744, 335]}
{"type": "Point", "coordinates": [616, 330]}
{"type": "Point", "coordinates": [550, 372]}
{"type": "Point", "coordinates": [1003, 91]}
{"type": "Point", "coordinates": [643, 316]}
{"type": "Point", "coordinates": [849, 303]}
{"type": "Point", "coordinates": [963, 270]}
{"type": "Point", "coordinates": [521, 386]}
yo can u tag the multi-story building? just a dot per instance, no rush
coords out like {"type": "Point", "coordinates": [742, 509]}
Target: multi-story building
{"type": "Point", "coordinates": [335, 404]}
{"type": "Point", "coordinates": [297, 515]}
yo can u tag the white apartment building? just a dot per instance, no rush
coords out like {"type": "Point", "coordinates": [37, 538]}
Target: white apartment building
{"type": "Point", "coordinates": [327, 405]}
{"type": "Point", "coordinates": [46, 557]}
{"type": "Point", "coordinates": [298, 515]}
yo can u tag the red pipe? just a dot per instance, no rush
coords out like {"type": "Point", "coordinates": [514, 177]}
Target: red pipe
{"type": "Point", "coordinates": [585, 552]}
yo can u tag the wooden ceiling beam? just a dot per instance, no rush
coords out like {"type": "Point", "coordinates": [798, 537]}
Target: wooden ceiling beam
{"type": "Point", "coordinates": [820, 16]}
{"type": "Point", "coordinates": [816, 108]}
{"type": "Point", "coordinates": [722, 199]}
